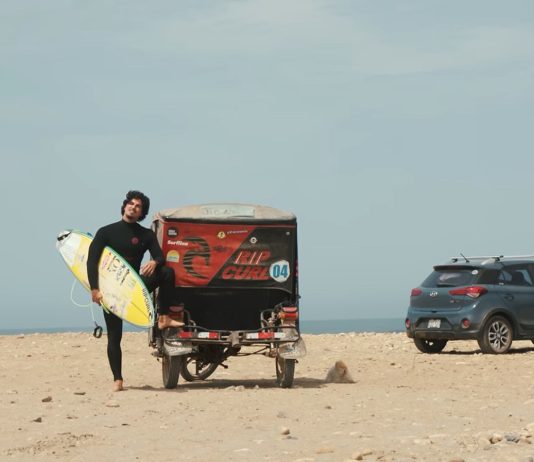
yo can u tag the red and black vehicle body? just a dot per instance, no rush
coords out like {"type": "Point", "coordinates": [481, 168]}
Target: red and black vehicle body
{"type": "Point", "coordinates": [236, 283]}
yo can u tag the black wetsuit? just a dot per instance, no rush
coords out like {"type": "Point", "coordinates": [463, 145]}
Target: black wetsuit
{"type": "Point", "coordinates": [131, 241]}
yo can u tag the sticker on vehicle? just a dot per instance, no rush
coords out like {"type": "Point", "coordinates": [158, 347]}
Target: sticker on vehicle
{"type": "Point", "coordinates": [279, 271]}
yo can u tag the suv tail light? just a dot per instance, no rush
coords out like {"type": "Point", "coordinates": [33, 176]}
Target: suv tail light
{"type": "Point", "coordinates": [416, 292]}
{"type": "Point", "coordinates": [470, 291]}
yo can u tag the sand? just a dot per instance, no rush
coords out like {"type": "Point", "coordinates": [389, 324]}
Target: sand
{"type": "Point", "coordinates": [56, 404]}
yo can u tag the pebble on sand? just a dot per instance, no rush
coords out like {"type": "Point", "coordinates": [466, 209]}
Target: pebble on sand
{"type": "Point", "coordinates": [324, 450]}
{"type": "Point", "coordinates": [360, 455]}
{"type": "Point", "coordinates": [47, 399]}
{"type": "Point", "coordinates": [112, 404]}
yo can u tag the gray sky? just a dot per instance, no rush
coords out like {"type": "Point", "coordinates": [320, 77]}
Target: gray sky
{"type": "Point", "coordinates": [397, 132]}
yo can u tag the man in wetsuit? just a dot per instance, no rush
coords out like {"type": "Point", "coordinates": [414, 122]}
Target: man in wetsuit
{"type": "Point", "coordinates": [131, 240]}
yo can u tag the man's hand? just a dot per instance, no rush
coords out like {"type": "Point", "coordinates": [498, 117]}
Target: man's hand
{"type": "Point", "coordinates": [148, 268]}
{"type": "Point", "coordinates": [96, 296]}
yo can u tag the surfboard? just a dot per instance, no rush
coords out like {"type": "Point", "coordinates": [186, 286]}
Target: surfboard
{"type": "Point", "coordinates": [123, 290]}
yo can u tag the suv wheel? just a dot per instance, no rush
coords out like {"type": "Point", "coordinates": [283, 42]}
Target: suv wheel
{"type": "Point", "coordinates": [496, 337]}
{"type": "Point", "coordinates": [429, 346]}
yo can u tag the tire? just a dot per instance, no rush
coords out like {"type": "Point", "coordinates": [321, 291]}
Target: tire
{"type": "Point", "coordinates": [496, 336]}
{"type": "Point", "coordinates": [170, 367]}
{"type": "Point", "coordinates": [429, 345]}
{"type": "Point", "coordinates": [193, 369]}
{"type": "Point", "coordinates": [285, 372]}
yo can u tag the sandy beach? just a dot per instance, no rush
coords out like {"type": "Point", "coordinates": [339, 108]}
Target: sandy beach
{"type": "Point", "coordinates": [56, 404]}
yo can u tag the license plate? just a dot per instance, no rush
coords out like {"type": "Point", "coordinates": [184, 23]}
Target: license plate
{"type": "Point", "coordinates": [434, 323]}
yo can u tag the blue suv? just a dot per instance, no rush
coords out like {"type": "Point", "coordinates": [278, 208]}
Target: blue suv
{"type": "Point", "coordinates": [488, 299]}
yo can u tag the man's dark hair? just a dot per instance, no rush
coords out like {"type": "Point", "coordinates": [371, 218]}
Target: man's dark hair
{"type": "Point", "coordinates": [137, 195]}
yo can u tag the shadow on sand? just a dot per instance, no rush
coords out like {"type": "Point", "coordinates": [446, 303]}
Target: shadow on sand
{"type": "Point", "coordinates": [218, 384]}
{"type": "Point", "coordinates": [512, 351]}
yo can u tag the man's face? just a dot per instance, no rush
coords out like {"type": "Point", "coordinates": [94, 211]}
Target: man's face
{"type": "Point", "coordinates": [133, 211]}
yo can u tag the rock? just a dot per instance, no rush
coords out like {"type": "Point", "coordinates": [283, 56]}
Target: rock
{"type": "Point", "coordinates": [47, 399]}
{"type": "Point", "coordinates": [80, 393]}
{"type": "Point", "coordinates": [512, 437]}
{"type": "Point", "coordinates": [285, 431]}
{"type": "Point", "coordinates": [324, 450]}
{"type": "Point", "coordinates": [496, 438]}
{"type": "Point", "coordinates": [38, 420]}
{"type": "Point", "coordinates": [360, 455]}
{"type": "Point", "coordinates": [112, 403]}
{"type": "Point", "coordinates": [483, 442]}
{"type": "Point", "coordinates": [339, 373]}
{"type": "Point", "coordinates": [456, 459]}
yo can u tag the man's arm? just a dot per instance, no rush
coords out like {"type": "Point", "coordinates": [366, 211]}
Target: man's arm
{"type": "Point", "coordinates": [157, 256]}
{"type": "Point", "coordinates": [95, 251]}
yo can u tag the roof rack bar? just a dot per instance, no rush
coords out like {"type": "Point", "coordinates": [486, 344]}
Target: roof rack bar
{"type": "Point", "coordinates": [496, 257]}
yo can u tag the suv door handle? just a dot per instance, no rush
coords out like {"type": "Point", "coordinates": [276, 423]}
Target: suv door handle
{"type": "Point", "coordinates": [508, 297]}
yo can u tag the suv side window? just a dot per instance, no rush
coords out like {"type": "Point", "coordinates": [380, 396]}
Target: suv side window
{"type": "Point", "coordinates": [517, 275]}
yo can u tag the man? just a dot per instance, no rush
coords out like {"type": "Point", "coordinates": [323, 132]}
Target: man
{"type": "Point", "coordinates": [131, 240]}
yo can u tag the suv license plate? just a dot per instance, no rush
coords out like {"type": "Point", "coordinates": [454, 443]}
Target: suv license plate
{"type": "Point", "coordinates": [434, 323]}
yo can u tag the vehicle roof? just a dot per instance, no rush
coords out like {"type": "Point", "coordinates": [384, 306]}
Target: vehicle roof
{"type": "Point", "coordinates": [225, 212]}
{"type": "Point", "coordinates": [487, 262]}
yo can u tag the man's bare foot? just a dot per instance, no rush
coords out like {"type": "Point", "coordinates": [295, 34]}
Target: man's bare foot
{"type": "Point", "coordinates": [117, 385]}
{"type": "Point", "coordinates": [164, 321]}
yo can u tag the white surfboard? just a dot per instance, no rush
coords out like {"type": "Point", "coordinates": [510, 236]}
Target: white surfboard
{"type": "Point", "coordinates": [123, 290]}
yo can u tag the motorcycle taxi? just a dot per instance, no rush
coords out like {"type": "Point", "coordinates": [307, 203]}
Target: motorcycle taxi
{"type": "Point", "coordinates": [236, 289]}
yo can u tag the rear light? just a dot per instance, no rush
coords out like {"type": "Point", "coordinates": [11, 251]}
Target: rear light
{"type": "Point", "coordinates": [209, 335]}
{"type": "Point", "coordinates": [289, 313]}
{"type": "Point", "coordinates": [407, 323]}
{"type": "Point", "coordinates": [264, 335]}
{"type": "Point", "coordinates": [471, 291]}
{"type": "Point", "coordinates": [199, 335]}
{"type": "Point", "coordinates": [416, 292]}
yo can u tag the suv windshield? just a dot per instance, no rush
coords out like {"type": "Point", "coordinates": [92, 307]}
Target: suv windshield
{"type": "Point", "coordinates": [451, 277]}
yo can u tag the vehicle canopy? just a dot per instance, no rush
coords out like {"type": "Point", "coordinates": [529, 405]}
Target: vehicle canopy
{"type": "Point", "coordinates": [229, 257]}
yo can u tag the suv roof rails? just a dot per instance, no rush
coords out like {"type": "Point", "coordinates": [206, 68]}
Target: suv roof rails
{"type": "Point", "coordinates": [491, 257]}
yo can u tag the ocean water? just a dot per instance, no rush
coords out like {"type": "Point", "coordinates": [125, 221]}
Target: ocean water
{"type": "Point", "coordinates": [333, 326]}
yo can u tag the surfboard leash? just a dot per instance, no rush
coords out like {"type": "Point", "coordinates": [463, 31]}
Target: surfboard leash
{"type": "Point", "coordinates": [97, 332]}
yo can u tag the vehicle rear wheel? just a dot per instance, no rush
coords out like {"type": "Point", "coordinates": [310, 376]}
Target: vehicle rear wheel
{"type": "Point", "coordinates": [429, 345]}
{"type": "Point", "coordinates": [193, 369]}
{"type": "Point", "coordinates": [496, 337]}
{"type": "Point", "coordinates": [285, 372]}
{"type": "Point", "coordinates": [170, 367]}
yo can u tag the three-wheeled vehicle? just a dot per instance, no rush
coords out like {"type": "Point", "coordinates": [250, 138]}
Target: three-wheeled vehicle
{"type": "Point", "coordinates": [236, 289]}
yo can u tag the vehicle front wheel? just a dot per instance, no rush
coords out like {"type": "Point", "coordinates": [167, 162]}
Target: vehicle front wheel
{"type": "Point", "coordinates": [429, 345]}
{"type": "Point", "coordinates": [170, 367]}
{"type": "Point", "coordinates": [496, 336]}
{"type": "Point", "coordinates": [285, 372]}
